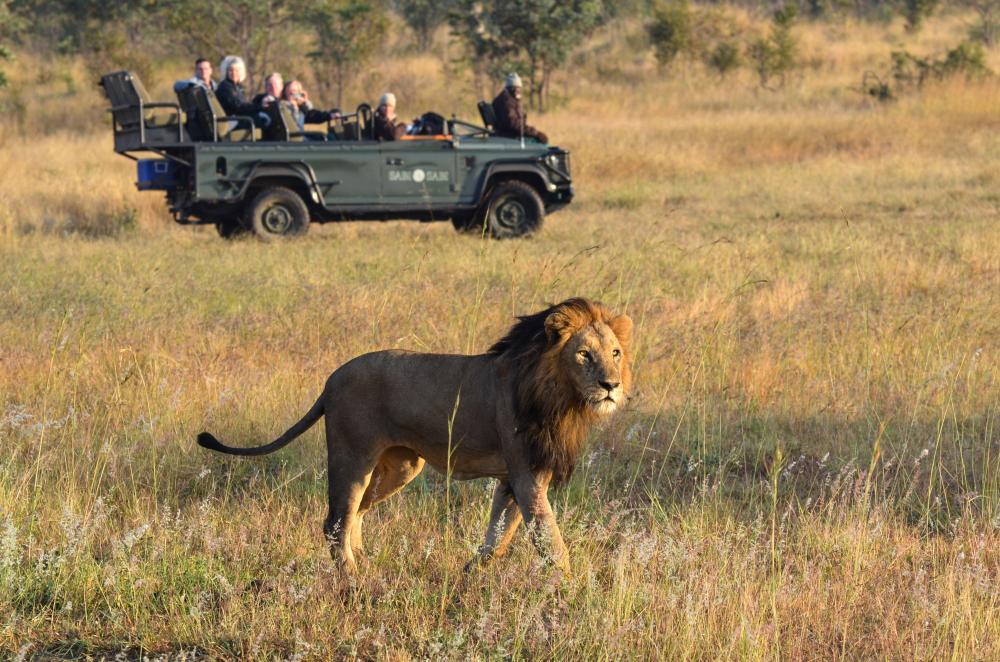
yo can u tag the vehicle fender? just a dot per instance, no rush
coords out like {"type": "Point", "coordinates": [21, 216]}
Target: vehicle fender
{"type": "Point", "coordinates": [534, 172]}
{"type": "Point", "coordinates": [294, 169]}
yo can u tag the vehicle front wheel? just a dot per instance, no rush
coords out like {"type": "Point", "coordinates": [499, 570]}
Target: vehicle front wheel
{"type": "Point", "coordinates": [277, 213]}
{"type": "Point", "coordinates": [514, 210]}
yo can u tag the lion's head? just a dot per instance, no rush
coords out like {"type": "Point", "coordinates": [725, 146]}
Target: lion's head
{"type": "Point", "coordinates": [572, 364]}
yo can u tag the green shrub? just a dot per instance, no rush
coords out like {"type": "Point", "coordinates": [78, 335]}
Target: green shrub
{"type": "Point", "coordinates": [670, 30]}
{"type": "Point", "coordinates": [777, 54]}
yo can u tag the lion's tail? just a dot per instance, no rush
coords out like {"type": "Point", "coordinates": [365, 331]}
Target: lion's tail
{"type": "Point", "coordinates": [207, 440]}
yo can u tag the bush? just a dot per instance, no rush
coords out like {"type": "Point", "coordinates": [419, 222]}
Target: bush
{"type": "Point", "coordinates": [967, 59]}
{"type": "Point", "coordinates": [670, 30]}
{"type": "Point", "coordinates": [777, 54]}
{"type": "Point", "coordinates": [725, 57]}
{"type": "Point", "coordinates": [916, 12]}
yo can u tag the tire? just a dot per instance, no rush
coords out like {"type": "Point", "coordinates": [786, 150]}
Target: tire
{"type": "Point", "coordinates": [514, 210]}
{"type": "Point", "coordinates": [230, 229]}
{"type": "Point", "coordinates": [277, 213]}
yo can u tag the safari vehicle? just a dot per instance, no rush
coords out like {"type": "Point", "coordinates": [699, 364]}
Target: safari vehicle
{"type": "Point", "coordinates": [222, 171]}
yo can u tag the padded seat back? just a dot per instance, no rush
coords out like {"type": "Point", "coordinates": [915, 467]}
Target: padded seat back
{"type": "Point", "coordinates": [486, 112]}
{"type": "Point", "coordinates": [211, 119]}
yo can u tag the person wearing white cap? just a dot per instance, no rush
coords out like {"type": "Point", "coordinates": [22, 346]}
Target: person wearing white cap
{"type": "Point", "coordinates": [511, 120]}
{"type": "Point", "coordinates": [386, 126]}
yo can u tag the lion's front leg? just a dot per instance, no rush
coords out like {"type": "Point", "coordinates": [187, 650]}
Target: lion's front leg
{"type": "Point", "coordinates": [505, 517]}
{"type": "Point", "coordinates": [531, 492]}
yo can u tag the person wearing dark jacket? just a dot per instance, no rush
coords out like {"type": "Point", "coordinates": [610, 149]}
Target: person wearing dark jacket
{"type": "Point", "coordinates": [386, 125]}
{"type": "Point", "coordinates": [511, 120]}
{"type": "Point", "coordinates": [303, 109]}
{"type": "Point", "coordinates": [231, 93]}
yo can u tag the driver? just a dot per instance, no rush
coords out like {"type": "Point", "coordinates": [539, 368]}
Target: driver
{"type": "Point", "coordinates": [512, 121]}
{"type": "Point", "coordinates": [387, 127]}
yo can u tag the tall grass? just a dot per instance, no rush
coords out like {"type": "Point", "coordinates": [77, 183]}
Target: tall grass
{"type": "Point", "coordinates": [808, 468]}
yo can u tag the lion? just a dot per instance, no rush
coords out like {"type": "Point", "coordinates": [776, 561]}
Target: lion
{"type": "Point", "coordinates": [518, 413]}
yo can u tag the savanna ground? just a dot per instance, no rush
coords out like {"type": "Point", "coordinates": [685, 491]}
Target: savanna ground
{"type": "Point", "coordinates": [808, 468]}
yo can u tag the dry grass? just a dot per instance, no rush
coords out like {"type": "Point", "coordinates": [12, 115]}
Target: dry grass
{"type": "Point", "coordinates": [809, 469]}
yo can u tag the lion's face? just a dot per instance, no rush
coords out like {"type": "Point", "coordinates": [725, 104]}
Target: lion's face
{"type": "Point", "coordinates": [594, 358]}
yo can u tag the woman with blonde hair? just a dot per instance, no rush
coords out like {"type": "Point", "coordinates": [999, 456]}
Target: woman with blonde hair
{"type": "Point", "coordinates": [230, 92]}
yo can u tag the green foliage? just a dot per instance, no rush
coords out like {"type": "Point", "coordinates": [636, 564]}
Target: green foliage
{"type": "Point", "coordinates": [424, 17]}
{"type": "Point", "coordinates": [252, 29]}
{"type": "Point", "coordinates": [533, 37]}
{"type": "Point", "coordinates": [9, 25]}
{"type": "Point", "coordinates": [916, 12]}
{"type": "Point", "coordinates": [966, 59]}
{"type": "Point", "coordinates": [987, 30]}
{"type": "Point", "coordinates": [706, 35]}
{"type": "Point", "coordinates": [670, 30]}
{"type": "Point", "coordinates": [725, 58]}
{"type": "Point", "coordinates": [777, 54]}
{"type": "Point", "coordinates": [347, 33]}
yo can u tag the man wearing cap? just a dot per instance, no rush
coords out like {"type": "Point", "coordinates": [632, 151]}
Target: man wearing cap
{"type": "Point", "coordinates": [512, 121]}
{"type": "Point", "coordinates": [386, 126]}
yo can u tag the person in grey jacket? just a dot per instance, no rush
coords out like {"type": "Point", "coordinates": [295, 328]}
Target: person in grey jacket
{"type": "Point", "coordinates": [202, 76]}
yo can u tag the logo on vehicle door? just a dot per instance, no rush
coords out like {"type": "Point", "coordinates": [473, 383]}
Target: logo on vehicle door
{"type": "Point", "coordinates": [418, 175]}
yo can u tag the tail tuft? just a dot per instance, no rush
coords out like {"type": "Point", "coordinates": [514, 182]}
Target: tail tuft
{"type": "Point", "coordinates": [207, 440]}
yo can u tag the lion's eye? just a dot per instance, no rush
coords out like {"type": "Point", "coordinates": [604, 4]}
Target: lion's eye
{"type": "Point", "coordinates": [617, 353]}
{"type": "Point", "coordinates": [584, 354]}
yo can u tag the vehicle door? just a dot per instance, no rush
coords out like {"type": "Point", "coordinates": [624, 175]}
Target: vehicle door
{"type": "Point", "coordinates": [348, 172]}
{"type": "Point", "coordinates": [418, 172]}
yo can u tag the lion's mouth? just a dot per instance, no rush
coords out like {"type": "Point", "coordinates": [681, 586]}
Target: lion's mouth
{"type": "Point", "coordinates": [604, 405]}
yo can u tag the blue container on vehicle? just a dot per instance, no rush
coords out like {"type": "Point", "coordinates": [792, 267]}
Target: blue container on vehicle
{"type": "Point", "coordinates": [156, 174]}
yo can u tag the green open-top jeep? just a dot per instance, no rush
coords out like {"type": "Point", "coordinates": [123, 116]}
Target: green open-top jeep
{"type": "Point", "coordinates": [223, 171]}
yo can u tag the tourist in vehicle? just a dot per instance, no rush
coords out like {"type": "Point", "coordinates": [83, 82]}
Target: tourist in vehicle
{"type": "Point", "coordinates": [302, 107]}
{"type": "Point", "coordinates": [273, 86]}
{"type": "Point", "coordinates": [232, 95]}
{"type": "Point", "coordinates": [511, 120]}
{"type": "Point", "coordinates": [387, 127]}
{"type": "Point", "coordinates": [202, 76]}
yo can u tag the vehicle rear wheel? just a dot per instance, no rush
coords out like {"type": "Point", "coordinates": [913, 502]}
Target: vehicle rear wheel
{"type": "Point", "coordinates": [277, 213]}
{"type": "Point", "coordinates": [514, 210]}
{"type": "Point", "coordinates": [230, 229]}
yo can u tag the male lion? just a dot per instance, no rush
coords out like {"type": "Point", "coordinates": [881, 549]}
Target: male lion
{"type": "Point", "coordinates": [518, 413]}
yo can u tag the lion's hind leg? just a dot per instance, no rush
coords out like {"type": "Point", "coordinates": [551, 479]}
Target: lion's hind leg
{"type": "Point", "coordinates": [348, 482]}
{"type": "Point", "coordinates": [395, 468]}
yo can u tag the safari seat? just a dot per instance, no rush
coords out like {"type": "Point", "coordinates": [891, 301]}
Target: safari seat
{"type": "Point", "coordinates": [354, 126]}
{"type": "Point", "coordinates": [284, 127]}
{"type": "Point", "coordinates": [135, 118]}
{"type": "Point", "coordinates": [207, 121]}
{"type": "Point", "coordinates": [486, 112]}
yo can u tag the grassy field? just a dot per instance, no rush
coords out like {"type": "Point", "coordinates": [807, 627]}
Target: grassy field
{"type": "Point", "coordinates": [809, 467]}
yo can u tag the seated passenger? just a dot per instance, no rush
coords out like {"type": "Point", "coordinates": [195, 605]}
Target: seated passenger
{"type": "Point", "coordinates": [512, 121]}
{"type": "Point", "coordinates": [386, 126]}
{"type": "Point", "coordinates": [231, 94]}
{"type": "Point", "coordinates": [273, 85]}
{"type": "Point", "coordinates": [303, 109]}
{"type": "Point", "coordinates": [202, 76]}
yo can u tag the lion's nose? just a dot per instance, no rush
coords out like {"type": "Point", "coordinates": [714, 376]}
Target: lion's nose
{"type": "Point", "coordinates": [610, 386]}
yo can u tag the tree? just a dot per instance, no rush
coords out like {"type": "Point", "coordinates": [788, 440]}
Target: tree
{"type": "Point", "coordinates": [424, 17]}
{"type": "Point", "coordinates": [670, 30]}
{"type": "Point", "coordinates": [347, 34]}
{"type": "Point", "coordinates": [988, 29]}
{"type": "Point", "coordinates": [248, 28]}
{"type": "Point", "coordinates": [534, 37]}
{"type": "Point", "coordinates": [916, 12]}
{"type": "Point", "coordinates": [775, 55]}
{"type": "Point", "coordinates": [7, 26]}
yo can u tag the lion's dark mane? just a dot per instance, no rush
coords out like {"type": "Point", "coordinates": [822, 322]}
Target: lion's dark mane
{"type": "Point", "coordinates": [547, 407]}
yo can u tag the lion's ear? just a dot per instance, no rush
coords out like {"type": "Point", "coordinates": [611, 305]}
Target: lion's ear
{"type": "Point", "coordinates": [622, 328]}
{"type": "Point", "coordinates": [556, 325]}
